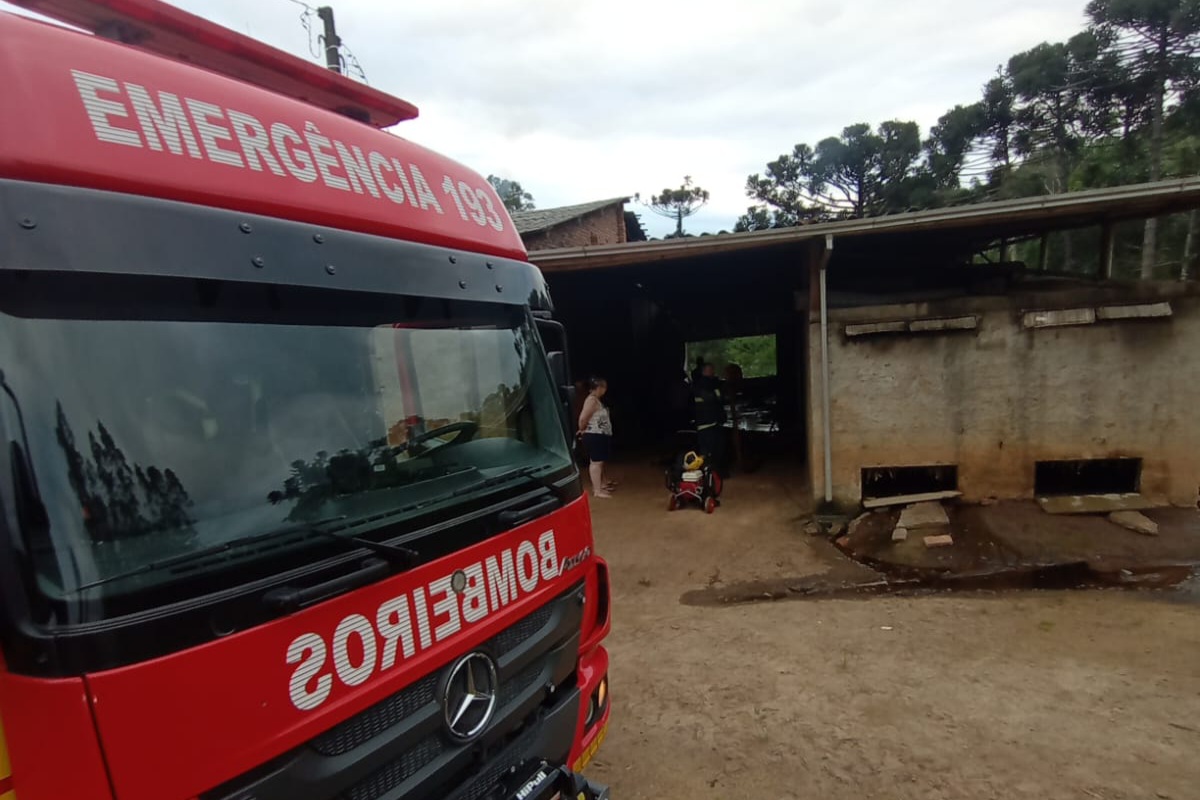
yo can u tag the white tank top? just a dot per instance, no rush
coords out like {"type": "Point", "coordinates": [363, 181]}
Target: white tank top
{"type": "Point", "coordinates": [600, 421]}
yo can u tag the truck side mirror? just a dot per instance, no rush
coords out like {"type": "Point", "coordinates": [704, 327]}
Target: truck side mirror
{"type": "Point", "coordinates": [558, 367]}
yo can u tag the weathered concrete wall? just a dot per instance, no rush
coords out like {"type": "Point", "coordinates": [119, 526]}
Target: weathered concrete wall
{"type": "Point", "coordinates": [997, 399]}
{"type": "Point", "coordinates": [606, 226]}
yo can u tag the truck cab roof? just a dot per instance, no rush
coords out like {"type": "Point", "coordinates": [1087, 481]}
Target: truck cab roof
{"type": "Point", "coordinates": [103, 114]}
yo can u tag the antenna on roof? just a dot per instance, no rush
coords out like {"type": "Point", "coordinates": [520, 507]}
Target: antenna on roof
{"type": "Point", "coordinates": [333, 42]}
{"type": "Point", "coordinates": [159, 27]}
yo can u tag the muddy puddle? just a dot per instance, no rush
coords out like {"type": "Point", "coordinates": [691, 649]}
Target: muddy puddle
{"type": "Point", "coordinates": [1180, 582]}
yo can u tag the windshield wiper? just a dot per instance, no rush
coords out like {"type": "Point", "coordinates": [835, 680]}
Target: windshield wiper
{"type": "Point", "coordinates": [528, 473]}
{"type": "Point", "coordinates": [399, 556]}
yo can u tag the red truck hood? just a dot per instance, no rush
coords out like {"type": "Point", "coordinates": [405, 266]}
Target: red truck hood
{"type": "Point", "coordinates": [182, 724]}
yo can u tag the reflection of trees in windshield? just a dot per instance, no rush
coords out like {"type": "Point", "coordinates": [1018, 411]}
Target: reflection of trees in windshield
{"type": "Point", "coordinates": [314, 483]}
{"type": "Point", "coordinates": [117, 500]}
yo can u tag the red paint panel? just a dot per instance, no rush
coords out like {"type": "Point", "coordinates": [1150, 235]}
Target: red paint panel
{"type": "Point", "coordinates": [592, 668]}
{"type": "Point", "coordinates": [52, 739]}
{"type": "Point", "coordinates": [598, 621]}
{"type": "Point", "coordinates": [179, 725]}
{"type": "Point", "coordinates": [80, 110]}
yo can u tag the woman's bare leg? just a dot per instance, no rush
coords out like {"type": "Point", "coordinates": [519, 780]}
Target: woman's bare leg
{"type": "Point", "coordinates": [596, 471]}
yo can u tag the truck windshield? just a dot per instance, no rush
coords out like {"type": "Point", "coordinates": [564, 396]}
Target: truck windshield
{"type": "Point", "coordinates": [235, 410]}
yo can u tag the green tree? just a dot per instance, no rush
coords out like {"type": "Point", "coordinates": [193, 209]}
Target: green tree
{"type": "Point", "coordinates": [998, 108]}
{"type": "Point", "coordinates": [785, 191]}
{"type": "Point", "coordinates": [950, 141]}
{"type": "Point", "coordinates": [1157, 40]}
{"type": "Point", "coordinates": [1049, 117]}
{"type": "Point", "coordinates": [758, 218]}
{"type": "Point", "coordinates": [514, 197]}
{"type": "Point", "coordinates": [679, 204]}
{"type": "Point", "coordinates": [860, 173]}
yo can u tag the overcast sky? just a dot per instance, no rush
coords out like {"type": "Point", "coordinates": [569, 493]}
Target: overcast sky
{"type": "Point", "coordinates": [582, 100]}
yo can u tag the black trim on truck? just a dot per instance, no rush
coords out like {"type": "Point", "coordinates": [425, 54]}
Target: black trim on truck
{"type": "Point", "coordinates": [60, 228]}
{"type": "Point", "coordinates": [45, 650]}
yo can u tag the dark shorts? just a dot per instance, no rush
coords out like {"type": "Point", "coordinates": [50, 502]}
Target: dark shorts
{"type": "Point", "coordinates": [598, 446]}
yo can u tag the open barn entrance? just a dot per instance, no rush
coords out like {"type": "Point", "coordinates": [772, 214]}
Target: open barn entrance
{"type": "Point", "coordinates": [642, 325]}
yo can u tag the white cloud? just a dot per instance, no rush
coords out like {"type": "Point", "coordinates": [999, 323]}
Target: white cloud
{"type": "Point", "coordinates": [589, 99]}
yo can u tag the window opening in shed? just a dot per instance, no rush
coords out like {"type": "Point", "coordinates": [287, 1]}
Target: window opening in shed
{"type": "Point", "coordinates": [1087, 476]}
{"type": "Point", "coordinates": [895, 481]}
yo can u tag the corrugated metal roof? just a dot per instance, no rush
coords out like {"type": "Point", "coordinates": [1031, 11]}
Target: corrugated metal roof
{"type": "Point", "coordinates": [543, 218]}
{"type": "Point", "coordinates": [1029, 215]}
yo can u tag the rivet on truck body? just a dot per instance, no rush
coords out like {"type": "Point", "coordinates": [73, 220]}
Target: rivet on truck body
{"type": "Point", "coordinates": [258, 261]}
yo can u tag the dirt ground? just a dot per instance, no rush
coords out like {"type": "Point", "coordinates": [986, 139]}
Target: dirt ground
{"type": "Point", "coordinates": [1015, 535]}
{"type": "Point", "coordinates": [1070, 694]}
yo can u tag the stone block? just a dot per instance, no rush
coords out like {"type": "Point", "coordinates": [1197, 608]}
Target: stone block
{"type": "Point", "coordinates": [1135, 521]}
{"type": "Point", "coordinates": [1096, 503]}
{"type": "Point", "coordinates": [924, 515]}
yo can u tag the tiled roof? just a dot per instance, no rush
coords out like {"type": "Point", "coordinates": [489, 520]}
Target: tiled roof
{"type": "Point", "coordinates": [545, 218]}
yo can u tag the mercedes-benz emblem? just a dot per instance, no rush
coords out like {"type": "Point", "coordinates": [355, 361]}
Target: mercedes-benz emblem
{"type": "Point", "coordinates": [469, 699]}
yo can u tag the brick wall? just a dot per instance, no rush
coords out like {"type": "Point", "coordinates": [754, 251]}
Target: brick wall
{"type": "Point", "coordinates": [997, 399]}
{"type": "Point", "coordinates": [606, 226]}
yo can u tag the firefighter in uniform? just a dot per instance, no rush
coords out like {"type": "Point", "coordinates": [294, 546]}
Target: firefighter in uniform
{"type": "Point", "coordinates": [709, 413]}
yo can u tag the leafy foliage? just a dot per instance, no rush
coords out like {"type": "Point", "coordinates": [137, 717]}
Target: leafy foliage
{"type": "Point", "coordinates": [754, 354]}
{"type": "Point", "coordinates": [511, 194]}
{"type": "Point", "coordinates": [1117, 103]}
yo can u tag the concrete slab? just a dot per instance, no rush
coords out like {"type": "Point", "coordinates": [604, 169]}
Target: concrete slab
{"type": "Point", "coordinates": [944, 324]}
{"type": "Point", "coordinates": [899, 534]}
{"type": "Point", "coordinates": [876, 328]}
{"type": "Point", "coordinates": [1140, 311]}
{"type": "Point", "coordinates": [924, 515]}
{"type": "Point", "coordinates": [1098, 503]}
{"type": "Point", "coordinates": [1058, 318]}
{"type": "Point", "coordinates": [945, 540]}
{"type": "Point", "coordinates": [1135, 521]}
{"type": "Point", "coordinates": [908, 499]}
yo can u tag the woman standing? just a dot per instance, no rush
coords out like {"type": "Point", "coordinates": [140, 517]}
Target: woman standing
{"type": "Point", "coordinates": [595, 426]}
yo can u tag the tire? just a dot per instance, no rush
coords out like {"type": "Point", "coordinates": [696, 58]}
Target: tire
{"type": "Point", "coordinates": [710, 505]}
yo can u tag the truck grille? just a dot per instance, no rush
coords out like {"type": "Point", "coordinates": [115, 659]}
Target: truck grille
{"type": "Point", "coordinates": [376, 719]}
{"type": "Point", "coordinates": [383, 715]}
{"type": "Point", "coordinates": [403, 704]}
{"type": "Point", "coordinates": [399, 746]}
{"type": "Point", "coordinates": [398, 771]}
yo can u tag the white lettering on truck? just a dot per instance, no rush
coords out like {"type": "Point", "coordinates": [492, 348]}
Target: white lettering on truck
{"type": "Point", "coordinates": [133, 115]}
{"type": "Point", "coordinates": [359, 648]}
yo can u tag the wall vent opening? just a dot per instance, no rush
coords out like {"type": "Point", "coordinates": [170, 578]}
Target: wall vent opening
{"type": "Point", "coordinates": [1087, 476]}
{"type": "Point", "coordinates": [895, 481]}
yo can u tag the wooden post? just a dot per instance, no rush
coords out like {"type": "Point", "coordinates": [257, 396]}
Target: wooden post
{"type": "Point", "coordinates": [1107, 245]}
{"type": "Point", "coordinates": [1003, 250]}
{"type": "Point", "coordinates": [1043, 251]}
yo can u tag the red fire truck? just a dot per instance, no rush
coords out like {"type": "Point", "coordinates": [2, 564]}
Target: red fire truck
{"type": "Point", "coordinates": [287, 505]}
